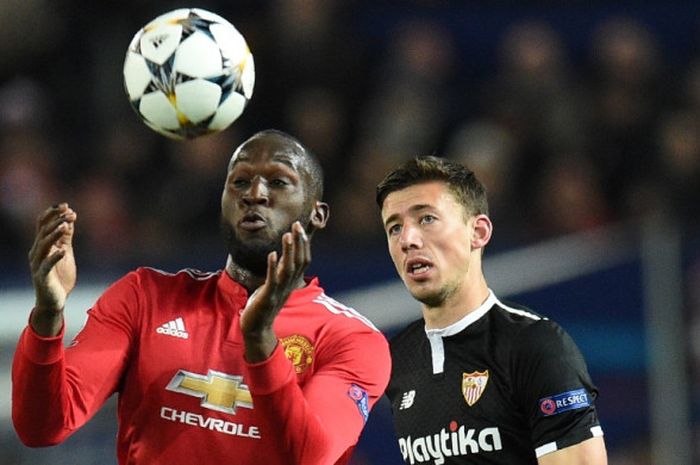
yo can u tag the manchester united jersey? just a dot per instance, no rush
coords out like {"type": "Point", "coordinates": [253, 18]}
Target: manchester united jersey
{"type": "Point", "coordinates": [501, 386]}
{"type": "Point", "coordinates": [171, 346]}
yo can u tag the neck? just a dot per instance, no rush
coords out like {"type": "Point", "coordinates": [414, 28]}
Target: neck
{"type": "Point", "coordinates": [249, 280]}
{"type": "Point", "coordinates": [459, 304]}
{"type": "Point", "coordinates": [243, 276]}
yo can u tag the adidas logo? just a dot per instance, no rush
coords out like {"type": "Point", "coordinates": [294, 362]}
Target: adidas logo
{"type": "Point", "coordinates": [174, 327]}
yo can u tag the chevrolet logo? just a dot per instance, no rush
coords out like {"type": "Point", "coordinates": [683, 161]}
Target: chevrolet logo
{"type": "Point", "coordinates": [217, 390]}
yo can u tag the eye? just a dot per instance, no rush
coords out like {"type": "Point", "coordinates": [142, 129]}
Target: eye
{"type": "Point", "coordinates": [394, 229]}
{"type": "Point", "coordinates": [279, 182]}
{"type": "Point", "coordinates": [427, 219]}
{"type": "Point", "coordinates": [240, 182]}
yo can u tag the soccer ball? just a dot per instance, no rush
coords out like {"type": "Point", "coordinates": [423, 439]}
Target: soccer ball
{"type": "Point", "coordinates": [189, 72]}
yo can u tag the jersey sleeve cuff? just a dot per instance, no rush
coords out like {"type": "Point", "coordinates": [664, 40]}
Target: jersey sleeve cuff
{"type": "Point", "coordinates": [595, 431]}
{"type": "Point", "coordinates": [42, 350]}
{"type": "Point", "coordinates": [270, 375]}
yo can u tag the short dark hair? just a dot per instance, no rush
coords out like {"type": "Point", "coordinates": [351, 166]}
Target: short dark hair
{"type": "Point", "coordinates": [460, 180]}
{"type": "Point", "coordinates": [315, 170]}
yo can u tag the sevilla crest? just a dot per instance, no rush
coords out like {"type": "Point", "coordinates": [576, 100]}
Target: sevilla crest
{"type": "Point", "coordinates": [473, 385]}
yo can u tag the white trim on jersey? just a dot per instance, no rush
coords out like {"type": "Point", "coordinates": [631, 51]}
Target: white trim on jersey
{"type": "Point", "coordinates": [192, 272]}
{"type": "Point", "coordinates": [337, 308]}
{"type": "Point", "coordinates": [437, 349]}
{"type": "Point", "coordinates": [437, 352]}
{"type": "Point", "coordinates": [520, 312]}
{"type": "Point", "coordinates": [546, 449]}
{"type": "Point", "coordinates": [596, 431]}
{"type": "Point", "coordinates": [435, 336]}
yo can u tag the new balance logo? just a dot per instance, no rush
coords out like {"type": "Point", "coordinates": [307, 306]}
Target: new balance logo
{"type": "Point", "coordinates": [407, 399]}
{"type": "Point", "coordinates": [174, 327]}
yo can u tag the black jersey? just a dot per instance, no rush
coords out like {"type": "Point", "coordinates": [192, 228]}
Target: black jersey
{"type": "Point", "coordinates": [503, 385]}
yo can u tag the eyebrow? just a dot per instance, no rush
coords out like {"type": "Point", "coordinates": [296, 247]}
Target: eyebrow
{"type": "Point", "coordinates": [412, 209]}
{"type": "Point", "coordinates": [283, 158]}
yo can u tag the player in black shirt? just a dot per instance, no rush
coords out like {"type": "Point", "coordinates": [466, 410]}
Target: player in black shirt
{"type": "Point", "coordinates": [476, 380]}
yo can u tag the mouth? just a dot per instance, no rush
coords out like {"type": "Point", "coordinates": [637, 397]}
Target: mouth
{"type": "Point", "coordinates": [252, 221]}
{"type": "Point", "coordinates": [418, 267]}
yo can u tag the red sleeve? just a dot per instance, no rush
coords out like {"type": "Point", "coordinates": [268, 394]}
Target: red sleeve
{"type": "Point", "coordinates": [322, 423]}
{"type": "Point", "coordinates": [56, 390]}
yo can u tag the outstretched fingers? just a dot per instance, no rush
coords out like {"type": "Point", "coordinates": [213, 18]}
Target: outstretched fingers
{"type": "Point", "coordinates": [54, 234]}
{"type": "Point", "coordinates": [286, 269]}
{"type": "Point", "coordinates": [271, 276]}
{"type": "Point", "coordinates": [295, 256]}
{"type": "Point", "coordinates": [303, 247]}
{"type": "Point", "coordinates": [47, 237]}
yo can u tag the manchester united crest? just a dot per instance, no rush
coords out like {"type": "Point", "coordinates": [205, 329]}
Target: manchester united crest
{"type": "Point", "coordinates": [473, 385]}
{"type": "Point", "coordinates": [299, 351]}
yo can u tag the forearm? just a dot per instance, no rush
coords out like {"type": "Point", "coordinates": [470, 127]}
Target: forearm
{"type": "Point", "coordinates": [294, 421]}
{"type": "Point", "coordinates": [259, 345]}
{"type": "Point", "coordinates": [39, 391]}
{"type": "Point", "coordinates": [56, 390]}
{"type": "Point", "coordinates": [46, 322]}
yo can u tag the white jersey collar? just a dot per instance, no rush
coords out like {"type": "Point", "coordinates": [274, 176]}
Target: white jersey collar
{"type": "Point", "coordinates": [468, 319]}
{"type": "Point", "coordinates": [437, 348]}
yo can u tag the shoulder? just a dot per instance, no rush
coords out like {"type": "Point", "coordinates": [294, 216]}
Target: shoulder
{"type": "Point", "coordinates": [349, 338]}
{"type": "Point", "coordinates": [515, 314]}
{"type": "Point", "coordinates": [542, 348]}
{"type": "Point", "coordinates": [529, 334]}
{"type": "Point", "coordinates": [521, 324]}
{"type": "Point", "coordinates": [344, 326]}
{"type": "Point", "coordinates": [545, 336]}
{"type": "Point", "coordinates": [143, 284]}
{"type": "Point", "coordinates": [154, 277]}
{"type": "Point", "coordinates": [146, 281]}
{"type": "Point", "coordinates": [338, 328]}
{"type": "Point", "coordinates": [185, 274]}
{"type": "Point", "coordinates": [341, 316]}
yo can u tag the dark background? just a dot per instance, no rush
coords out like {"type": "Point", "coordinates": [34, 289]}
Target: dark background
{"type": "Point", "coordinates": [576, 115]}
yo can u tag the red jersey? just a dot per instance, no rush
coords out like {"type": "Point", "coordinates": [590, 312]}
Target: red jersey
{"type": "Point", "coordinates": [171, 346]}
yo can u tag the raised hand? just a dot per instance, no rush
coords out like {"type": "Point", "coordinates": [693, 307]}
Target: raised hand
{"type": "Point", "coordinates": [283, 276]}
{"type": "Point", "coordinates": [53, 269]}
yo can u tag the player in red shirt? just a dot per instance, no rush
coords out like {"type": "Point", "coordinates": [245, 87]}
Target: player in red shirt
{"type": "Point", "coordinates": [253, 364]}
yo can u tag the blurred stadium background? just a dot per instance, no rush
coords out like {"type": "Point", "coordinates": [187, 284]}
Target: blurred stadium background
{"type": "Point", "coordinates": [582, 118]}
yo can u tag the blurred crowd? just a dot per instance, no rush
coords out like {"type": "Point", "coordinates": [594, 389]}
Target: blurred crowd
{"type": "Point", "coordinates": [564, 141]}
{"type": "Point", "coordinates": [570, 124]}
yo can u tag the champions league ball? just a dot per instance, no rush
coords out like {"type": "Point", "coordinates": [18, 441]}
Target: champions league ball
{"type": "Point", "coordinates": [189, 72]}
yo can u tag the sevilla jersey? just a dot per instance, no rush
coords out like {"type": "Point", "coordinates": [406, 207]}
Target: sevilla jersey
{"type": "Point", "coordinates": [171, 346]}
{"type": "Point", "coordinates": [501, 386]}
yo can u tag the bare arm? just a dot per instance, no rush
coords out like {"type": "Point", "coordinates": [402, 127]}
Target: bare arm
{"type": "Point", "coordinates": [53, 269]}
{"type": "Point", "coordinates": [283, 277]}
{"type": "Point", "coordinates": [589, 452]}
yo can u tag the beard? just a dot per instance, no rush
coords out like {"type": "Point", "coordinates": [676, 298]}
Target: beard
{"type": "Point", "coordinates": [251, 254]}
{"type": "Point", "coordinates": [436, 298]}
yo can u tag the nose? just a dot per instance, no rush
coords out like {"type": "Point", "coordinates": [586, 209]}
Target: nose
{"type": "Point", "coordinates": [410, 238]}
{"type": "Point", "coordinates": [257, 193]}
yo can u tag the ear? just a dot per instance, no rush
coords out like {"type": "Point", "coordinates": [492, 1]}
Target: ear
{"type": "Point", "coordinates": [319, 215]}
{"type": "Point", "coordinates": [481, 235]}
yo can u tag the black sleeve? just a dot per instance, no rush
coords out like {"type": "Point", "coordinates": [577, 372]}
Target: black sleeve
{"type": "Point", "coordinates": [556, 392]}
